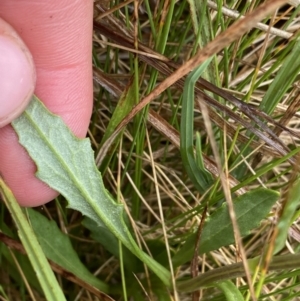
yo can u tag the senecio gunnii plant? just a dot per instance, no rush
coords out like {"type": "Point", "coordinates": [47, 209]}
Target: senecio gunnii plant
{"type": "Point", "coordinates": [187, 187]}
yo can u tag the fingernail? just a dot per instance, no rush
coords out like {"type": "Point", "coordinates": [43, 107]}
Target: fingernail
{"type": "Point", "coordinates": [17, 77]}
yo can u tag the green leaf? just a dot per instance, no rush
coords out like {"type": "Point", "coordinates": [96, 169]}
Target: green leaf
{"type": "Point", "coordinates": [35, 254]}
{"type": "Point", "coordinates": [283, 80]}
{"type": "Point", "coordinates": [124, 106]}
{"type": "Point", "coordinates": [287, 215]}
{"type": "Point", "coordinates": [200, 177]}
{"type": "Point", "coordinates": [237, 270]}
{"type": "Point", "coordinates": [250, 209]}
{"type": "Point", "coordinates": [58, 248]}
{"type": "Point", "coordinates": [230, 291]}
{"type": "Point", "coordinates": [8, 263]}
{"type": "Point", "coordinates": [67, 165]}
{"type": "Point", "coordinates": [200, 161]}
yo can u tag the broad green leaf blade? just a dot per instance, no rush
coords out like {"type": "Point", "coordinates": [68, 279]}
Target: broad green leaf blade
{"type": "Point", "coordinates": [250, 209]}
{"type": "Point", "coordinates": [230, 291]}
{"type": "Point", "coordinates": [66, 164]}
{"type": "Point", "coordinates": [287, 215]}
{"type": "Point", "coordinates": [35, 254]}
{"type": "Point", "coordinates": [58, 248]}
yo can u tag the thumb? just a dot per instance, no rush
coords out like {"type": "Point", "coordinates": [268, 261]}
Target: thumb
{"type": "Point", "coordinates": [17, 74]}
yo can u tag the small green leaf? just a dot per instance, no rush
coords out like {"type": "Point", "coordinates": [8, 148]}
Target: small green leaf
{"type": "Point", "coordinates": [124, 106]}
{"type": "Point", "coordinates": [283, 80]}
{"type": "Point", "coordinates": [230, 291]}
{"type": "Point", "coordinates": [250, 209]}
{"type": "Point", "coordinates": [58, 248]}
{"type": "Point", "coordinates": [66, 164]}
{"type": "Point", "coordinates": [286, 218]}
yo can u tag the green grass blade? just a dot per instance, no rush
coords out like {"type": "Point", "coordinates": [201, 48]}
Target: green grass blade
{"type": "Point", "coordinates": [124, 106]}
{"type": "Point", "coordinates": [66, 164]}
{"type": "Point", "coordinates": [197, 175]}
{"type": "Point", "coordinates": [200, 162]}
{"type": "Point", "coordinates": [283, 80]}
{"type": "Point", "coordinates": [287, 215]}
{"type": "Point", "coordinates": [34, 251]}
{"type": "Point", "coordinates": [235, 270]}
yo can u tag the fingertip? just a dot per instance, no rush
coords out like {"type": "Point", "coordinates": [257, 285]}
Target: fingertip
{"type": "Point", "coordinates": [59, 36]}
{"type": "Point", "coordinates": [18, 172]}
{"type": "Point", "coordinates": [17, 75]}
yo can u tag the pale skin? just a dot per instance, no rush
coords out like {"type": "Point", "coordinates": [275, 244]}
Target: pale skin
{"type": "Point", "coordinates": [58, 34]}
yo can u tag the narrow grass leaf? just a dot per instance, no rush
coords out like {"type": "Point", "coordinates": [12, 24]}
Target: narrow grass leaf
{"type": "Point", "coordinates": [237, 270]}
{"type": "Point", "coordinates": [24, 265]}
{"type": "Point", "coordinates": [197, 174]}
{"type": "Point", "coordinates": [67, 165]}
{"type": "Point", "coordinates": [250, 209]}
{"type": "Point", "coordinates": [58, 248]}
{"type": "Point", "coordinates": [193, 12]}
{"type": "Point", "coordinates": [283, 80]}
{"type": "Point", "coordinates": [200, 161]}
{"type": "Point", "coordinates": [34, 251]}
{"type": "Point", "coordinates": [124, 106]}
{"type": "Point", "coordinates": [285, 221]}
